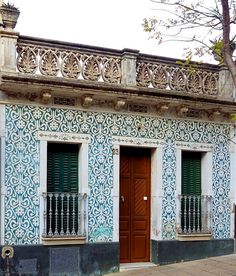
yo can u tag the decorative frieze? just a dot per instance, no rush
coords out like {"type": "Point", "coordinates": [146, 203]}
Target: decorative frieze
{"type": "Point", "coordinates": [63, 136]}
{"type": "Point", "coordinates": [194, 146]}
{"type": "Point", "coordinates": [132, 141]}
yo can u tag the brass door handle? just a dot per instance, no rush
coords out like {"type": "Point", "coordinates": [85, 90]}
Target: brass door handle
{"type": "Point", "coordinates": [122, 198]}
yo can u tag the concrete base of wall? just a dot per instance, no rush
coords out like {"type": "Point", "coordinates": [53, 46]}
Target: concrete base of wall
{"type": "Point", "coordinates": [101, 258]}
{"type": "Point", "coordinates": [88, 259]}
{"type": "Point", "coordinates": [166, 252]}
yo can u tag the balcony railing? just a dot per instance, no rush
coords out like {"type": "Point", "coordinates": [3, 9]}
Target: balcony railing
{"type": "Point", "coordinates": [173, 77]}
{"type": "Point", "coordinates": [94, 64]}
{"type": "Point", "coordinates": [58, 60]}
{"type": "Point", "coordinates": [195, 214]}
{"type": "Point", "coordinates": [64, 214]}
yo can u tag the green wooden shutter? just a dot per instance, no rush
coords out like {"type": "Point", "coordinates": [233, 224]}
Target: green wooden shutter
{"type": "Point", "coordinates": [62, 173]}
{"type": "Point", "coordinates": [191, 185]}
{"type": "Point", "coordinates": [191, 173]}
{"type": "Point", "coordinates": [62, 176]}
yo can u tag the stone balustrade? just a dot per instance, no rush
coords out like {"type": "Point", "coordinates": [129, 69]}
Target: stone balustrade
{"type": "Point", "coordinates": [59, 61]}
{"type": "Point", "coordinates": [78, 62]}
{"type": "Point", "coordinates": [174, 77]}
{"type": "Point", "coordinates": [33, 57]}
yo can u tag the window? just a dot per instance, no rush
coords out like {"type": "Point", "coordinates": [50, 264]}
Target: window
{"type": "Point", "coordinates": [64, 203]}
{"type": "Point", "coordinates": [62, 167]}
{"type": "Point", "coordinates": [195, 207]}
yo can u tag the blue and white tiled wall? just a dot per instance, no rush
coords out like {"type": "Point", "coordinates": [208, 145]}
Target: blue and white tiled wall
{"type": "Point", "coordinates": [22, 167]}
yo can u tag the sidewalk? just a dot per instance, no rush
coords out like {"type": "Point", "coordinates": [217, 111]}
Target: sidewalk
{"type": "Point", "coordinates": [222, 266]}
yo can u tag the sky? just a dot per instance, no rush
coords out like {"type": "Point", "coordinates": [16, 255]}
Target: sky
{"type": "Point", "coordinates": [106, 23]}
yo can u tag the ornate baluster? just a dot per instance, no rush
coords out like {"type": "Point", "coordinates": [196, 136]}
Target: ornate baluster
{"type": "Point", "coordinates": [56, 214]}
{"type": "Point", "coordinates": [73, 214]}
{"type": "Point", "coordinates": [62, 215]}
{"type": "Point", "coordinates": [189, 214]}
{"type": "Point", "coordinates": [84, 225]}
{"type": "Point", "coordinates": [194, 214]}
{"type": "Point", "coordinates": [79, 214]}
{"type": "Point", "coordinates": [208, 200]}
{"type": "Point", "coordinates": [45, 214]}
{"type": "Point", "coordinates": [185, 214]}
{"type": "Point", "coordinates": [198, 213]}
{"type": "Point", "coordinates": [68, 215]}
{"type": "Point", "coordinates": [204, 214]}
{"type": "Point", "coordinates": [50, 215]}
{"type": "Point", "coordinates": [181, 213]}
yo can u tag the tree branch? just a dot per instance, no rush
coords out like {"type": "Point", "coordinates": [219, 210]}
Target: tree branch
{"type": "Point", "coordinates": [227, 52]}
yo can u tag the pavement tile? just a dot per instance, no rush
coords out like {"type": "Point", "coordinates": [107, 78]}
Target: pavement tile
{"type": "Point", "coordinates": [216, 266]}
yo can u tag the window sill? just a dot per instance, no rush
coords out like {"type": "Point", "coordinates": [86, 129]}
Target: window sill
{"type": "Point", "coordinates": [195, 237]}
{"type": "Point", "coordinates": [63, 240]}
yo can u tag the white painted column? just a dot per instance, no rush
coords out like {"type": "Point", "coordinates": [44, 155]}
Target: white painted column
{"type": "Point", "coordinates": [83, 182]}
{"type": "Point", "coordinates": [43, 184]}
{"type": "Point", "coordinates": [2, 172]}
{"type": "Point", "coordinates": [115, 193]}
{"type": "Point", "coordinates": [232, 180]}
{"type": "Point", "coordinates": [178, 186]}
{"type": "Point", "coordinates": [156, 193]}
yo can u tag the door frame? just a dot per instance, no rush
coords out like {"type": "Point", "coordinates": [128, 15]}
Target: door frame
{"type": "Point", "coordinates": [155, 185]}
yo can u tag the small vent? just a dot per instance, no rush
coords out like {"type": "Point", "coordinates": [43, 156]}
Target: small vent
{"type": "Point", "coordinates": [193, 113]}
{"type": "Point", "coordinates": [138, 108]}
{"type": "Point", "coordinates": [64, 101]}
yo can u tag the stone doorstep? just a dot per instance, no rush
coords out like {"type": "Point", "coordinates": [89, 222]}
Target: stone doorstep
{"type": "Point", "coordinates": [63, 240]}
{"type": "Point", "coordinates": [134, 266]}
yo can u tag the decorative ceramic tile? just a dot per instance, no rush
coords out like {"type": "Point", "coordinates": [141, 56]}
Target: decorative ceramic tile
{"type": "Point", "coordinates": [22, 166]}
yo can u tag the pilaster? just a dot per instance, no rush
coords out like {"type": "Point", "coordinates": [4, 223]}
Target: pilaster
{"type": "Point", "coordinates": [128, 67]}
{"type": "Point", "coordinates": [226, 85]}
{"type": "Point", "coordinates": [8, 41]}
{"type": "Point", "coordinates": [8, 37]}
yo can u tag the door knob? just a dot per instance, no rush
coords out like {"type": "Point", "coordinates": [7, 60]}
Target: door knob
{"type": "Point", "coordinates": [122, 198]}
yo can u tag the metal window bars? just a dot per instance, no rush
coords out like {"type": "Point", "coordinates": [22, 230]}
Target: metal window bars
{"type": "Point", "coordinates": [195, 214]}
{"type": "Point", "coordinates": [64, 214]}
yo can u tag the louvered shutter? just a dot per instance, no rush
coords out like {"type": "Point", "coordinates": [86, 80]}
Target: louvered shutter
{"type": "Point", "coordinates": [191, 186]}
{"type": "Point", "coordinates": [191, 173]}
{"type": "Point", "coordinates": [62, 174]}
{"type": "Point", "coordinates": [62, 177]}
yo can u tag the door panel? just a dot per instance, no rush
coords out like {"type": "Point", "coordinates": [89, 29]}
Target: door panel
{"type": "Point", "coordinates": [135, 204]}
{"type": "Point", "coordinates": [140, 246]}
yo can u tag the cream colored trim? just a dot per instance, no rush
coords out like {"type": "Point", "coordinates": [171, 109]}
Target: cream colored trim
{"type": "Point", "coordinates": [142, 142]}
{"type": "Point", "coordinates": [115, 193]}
{"type": "Point", "coordinates": [194, 146]}
{"type": "Point", "coordinates": [63, 137]}
{"type": "Point", "coordinates": [156, 193]}
{"type": "Point", "coordinates": [2, 172]}
{"type": "Point", "coordinates": [194, 237]}
{"type": "Point", "coordinates": [63, 240]}
{"type": "Point", "coordinates": [43, 183]}
{"type": "Point", "coordinates": [232, 180]}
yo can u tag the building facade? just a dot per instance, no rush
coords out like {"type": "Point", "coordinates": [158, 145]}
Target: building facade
{"type": "Point", "coordinates": [111, 156]}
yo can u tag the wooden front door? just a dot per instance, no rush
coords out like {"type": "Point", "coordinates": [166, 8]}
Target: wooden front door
{"type": "Point", "coordinates": [135, 204]}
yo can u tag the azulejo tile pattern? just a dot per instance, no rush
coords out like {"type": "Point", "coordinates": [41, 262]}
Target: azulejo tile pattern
{"type": "Point", "coordinates": [22, 166]}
